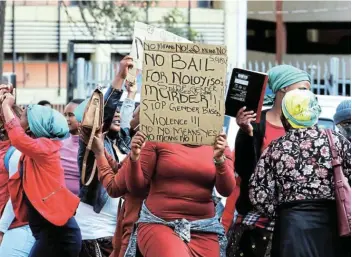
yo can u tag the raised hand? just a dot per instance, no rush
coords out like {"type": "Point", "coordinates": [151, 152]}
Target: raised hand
{"type": "Point", "coordinates": [244, 120]}
{"type": "Point", "coordinates": [219, 147]}
{"type": "Point", "coordinates": [7, 99]}
{"type": "Point", "coordinates": [125, 64]}
{"type": "Point", "coordinates": [98, 143]}
{"type": "Point", "coordinates": [138, 142]}
{"type": "Point", "coordinates": [131, 87]}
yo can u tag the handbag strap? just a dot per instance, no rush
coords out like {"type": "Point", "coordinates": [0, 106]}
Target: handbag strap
{"type": "Point", "coordinates": [336, 163]}
{"type": "Point", "coordinates": [88, 148]}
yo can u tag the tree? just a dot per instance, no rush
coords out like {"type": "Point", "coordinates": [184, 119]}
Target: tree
{"type": "Point", "coordinates": [110, 19]}
{"type": "Point", "coordinates": [173, 21]}
{"type": "Point", "coordinates": [2, 30]}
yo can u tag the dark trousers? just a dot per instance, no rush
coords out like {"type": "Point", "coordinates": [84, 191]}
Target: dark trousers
{"type": "Point", "coordinates": [57, 241]}
{"type": "Point", "coordinates": [248, 241]}
{"type": "Point", "coordinates": [51, 240]}
{"type": "Point", "coordinates": [101, 247]}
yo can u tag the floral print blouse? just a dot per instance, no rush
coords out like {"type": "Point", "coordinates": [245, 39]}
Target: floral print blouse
{"type": "Point", "coordinates": [295, 167]}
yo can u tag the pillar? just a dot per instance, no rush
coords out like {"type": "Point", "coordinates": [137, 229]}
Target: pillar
{"type": "Point", "coordinates": [236, 31]}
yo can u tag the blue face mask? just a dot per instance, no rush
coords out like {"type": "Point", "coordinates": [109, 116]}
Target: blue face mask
{"type": "Point", "coordinates": [345, 129]}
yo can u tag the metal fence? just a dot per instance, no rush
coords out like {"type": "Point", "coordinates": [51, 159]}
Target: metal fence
{"type": "Point", "coordinates": [329, 78]}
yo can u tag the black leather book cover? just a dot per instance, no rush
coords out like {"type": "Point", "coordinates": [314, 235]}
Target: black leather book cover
{"type": "Point", "coordinates": [246, 88]}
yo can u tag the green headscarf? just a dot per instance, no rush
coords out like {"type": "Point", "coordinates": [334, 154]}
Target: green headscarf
{"type": "Point", "coordinates": [301, 108]}
{"type": "Point", "coordinates": [46, 122]}
{"type": "Point", "coordinates": [285, 75]}
{"type": "Point", "coordinates": [79, 111]}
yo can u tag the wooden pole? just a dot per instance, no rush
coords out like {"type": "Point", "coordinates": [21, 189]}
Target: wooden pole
{"type": "Point", "coordinates": [280, 32]}
{"type": "Point", "coordinates": [2, 30]}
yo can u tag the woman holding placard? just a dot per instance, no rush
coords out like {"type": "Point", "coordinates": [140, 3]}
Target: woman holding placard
{"type": "Point", "coordinates": [178, 217]}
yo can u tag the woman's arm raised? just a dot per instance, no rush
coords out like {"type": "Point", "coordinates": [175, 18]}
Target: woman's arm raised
{"type": "Point", "coordinates": [31, 147]}
{"type": "Point", "coordinates": [225, 177]}
{"type": "Point", "coordinates": [140, 164]}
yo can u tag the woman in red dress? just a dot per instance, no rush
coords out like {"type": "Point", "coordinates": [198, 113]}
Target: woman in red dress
{"type": "Point", "coordinates": [178, 217]}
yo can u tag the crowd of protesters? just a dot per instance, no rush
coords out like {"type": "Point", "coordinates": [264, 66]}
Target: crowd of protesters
{"type": "Point", "coordinates": [157, 199]}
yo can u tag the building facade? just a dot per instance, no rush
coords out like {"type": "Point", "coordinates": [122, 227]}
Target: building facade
{"type": "Point", "coordinates": [37, 34]}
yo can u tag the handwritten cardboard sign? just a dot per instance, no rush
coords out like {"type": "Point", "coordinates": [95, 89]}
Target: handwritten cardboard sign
{"type": "Point", "coordinates": [183, 87]}
{"type": "Point", "coordinates": [143, 32]}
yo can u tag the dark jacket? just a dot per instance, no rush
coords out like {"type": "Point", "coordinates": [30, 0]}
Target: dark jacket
{"type": "Point", "coordinates": [247, 154]}
{"type": "Point", "coordinates": [95, 194]}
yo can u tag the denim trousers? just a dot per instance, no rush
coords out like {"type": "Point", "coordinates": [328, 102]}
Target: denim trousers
{"type": "Point", "coordinates": [17, 242]}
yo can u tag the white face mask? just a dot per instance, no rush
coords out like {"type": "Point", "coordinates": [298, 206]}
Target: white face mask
{"type": "Point", "coordinates": [345, 129]}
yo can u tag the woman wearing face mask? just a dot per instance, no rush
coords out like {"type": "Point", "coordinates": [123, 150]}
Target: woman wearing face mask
{"type": "Point", "coordinates": [342, 118]}
{"type": "Point", "coordinates": [38, 192]}
{"type": "Point", "coordinates": [293, 183]}
{"type": "Point", "coordinates": [251, 232]}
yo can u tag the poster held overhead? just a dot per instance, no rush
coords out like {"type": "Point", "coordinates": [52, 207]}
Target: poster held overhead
{"type": "Point", "coordinates": [183, 88]}
{"type": "Point", "coordinates": [143, 32]}
{"type": "Point", "coordinates": [247, 88]}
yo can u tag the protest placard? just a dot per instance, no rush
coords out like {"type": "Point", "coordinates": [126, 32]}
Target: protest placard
{"type": "Point", "coordinates": [143, 32]}
{"type": "Point", "coordinates": [183, 92]}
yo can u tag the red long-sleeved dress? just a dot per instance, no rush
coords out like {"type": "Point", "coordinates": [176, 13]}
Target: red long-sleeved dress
{"type": "Point", "coordinates": [181, 180]}
{"type": "Point", "coordinates": [112, 176]}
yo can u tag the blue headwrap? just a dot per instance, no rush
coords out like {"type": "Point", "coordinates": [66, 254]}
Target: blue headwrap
{"type": "Point", "coordinates": [79, 111]}
{"type": "Point", "coordinates": [285, 75]}
{"type": "Point", "coordinates": [46, 122]}
{"type": "Point", "coordinates": [343, 112]}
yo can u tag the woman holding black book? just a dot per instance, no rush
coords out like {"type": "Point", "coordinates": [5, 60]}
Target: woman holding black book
{"type": "Point", "coordinates": [251, 232]}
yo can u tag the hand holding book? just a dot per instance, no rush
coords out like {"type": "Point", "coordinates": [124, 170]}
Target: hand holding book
{"type": "Point", "coordinates": [244, 119]}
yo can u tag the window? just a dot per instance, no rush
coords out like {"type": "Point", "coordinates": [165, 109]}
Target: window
{"type": "Point", "coordinates": [36, 57]}
{"type": "Point", "coordinates": [261, 36]}
{"type": "Point", "coordinates": [86, 56]}
{"type": "Point", "coordinates": [54, 57]}
{"type": "Point", "coordinates": [205, 4]}
{"type": "Point", "coordinates": [117, 57]}
{"type": "Point", "coordinates": [319, 38]}
{"type": "Point", "coordinates": [302, 37]}
{"type": "Point", "coordinates": [76, 3]}
{"type": "Point", "coordinates": [8, 56]}
{"type": "Point", "coordinates": [270, 33]}
{"type": "Point", "coordinates": [250, 32]}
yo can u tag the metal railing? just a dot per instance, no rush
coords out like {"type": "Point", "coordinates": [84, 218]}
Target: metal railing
{"type": "Point", "coordinates": [328, 78]}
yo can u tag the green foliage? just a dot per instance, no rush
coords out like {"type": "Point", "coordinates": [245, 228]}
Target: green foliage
{"type": "Point", "coordinates": [175, 21]}
{"type": "Point", "coordinates": [111, 19]}
{"type": "Point", "coordinates": [108, 19]}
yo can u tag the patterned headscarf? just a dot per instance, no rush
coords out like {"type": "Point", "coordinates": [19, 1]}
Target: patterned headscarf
{"type": "Point", "coordinates": [285, 75]}
{"type": "Point", "coordinates": [47, 122]}
{"type": "Point", "coordinates": [301, 108]}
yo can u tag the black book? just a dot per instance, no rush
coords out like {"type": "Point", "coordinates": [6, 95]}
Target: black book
{"type": "Point", "coordinates": [246, 88]}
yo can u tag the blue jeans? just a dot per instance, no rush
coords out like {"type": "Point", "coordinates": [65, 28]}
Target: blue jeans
{"type": "Point", "coordinates": [17, 242]}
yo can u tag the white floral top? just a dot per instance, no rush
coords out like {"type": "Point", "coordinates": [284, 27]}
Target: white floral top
{"type": "Point", "coordinates": [295, 167]}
